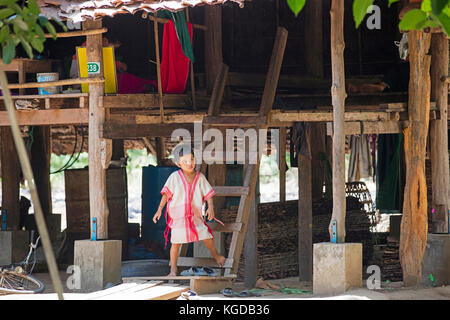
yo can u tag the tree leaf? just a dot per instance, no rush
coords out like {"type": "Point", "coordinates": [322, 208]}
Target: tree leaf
{"type": "Point", "coordinates": [37, 44]}
{"type": "Point", "coordinates": [391, 2]}
{"type": "Point", "coordinates": [4, 33]}
{"type": "Point", "coordinates": [360, 10]}
{"type": "Point", "coordinates": [39, 31]}
{"type": "Point", "coordinates": [438, 5]}
{"type": "Point", "coordinates": [9, 51]}
{"type": "Point", "coordinates": [20, 24]}
{"type": "Point", "coordinates": [444, 19]}
{"type": "Point", "coordinates": [26, 46]}
{"type": "Point", "coordinates": [51, 29]}
{"type": "Point", "coordinates": [412, 19]}
{"type": "Point", "coordinates": [33, 6]}
{"type": "Point", "coordinates": [5, 13]}
{"type": "Point", "coordinates": [296, 5]}
{"type": "Point", "coordinates": [426, 6]}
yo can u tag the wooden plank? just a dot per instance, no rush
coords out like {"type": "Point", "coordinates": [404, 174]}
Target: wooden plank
{"type": "Point", "coordinates": [158, 69]}
{"type": "Point", "coordinates": [385, 127]}
{"type": "Point", "coordinates": [130, 292]}
{"type": "Point", "coordinates": [213, 49]}
{"type": "Point", "coordinates": [204, 262]}
{"type": "Point", "coordinates": [161, 292]}
{"type": "Point", "coordinates": [234, 121]}
{"type": "Point", "coordinates": [251, 242]}
{"type": "Point", "coordinates": [230, 191]}
{"type": "Point", "coordinates": [439, 137]}
{"type": "Point", "coordinates": [112, 290]}
{"type": "Point", "coordinates": [147, 100]}
{"type": "Point", "coordinates": [47, 117]}
{"type": "Point", "coordinates": [338, 96]}
{"type": "Point", "coordinates": [229, 227]}
{"type": "Point", "coordinates": [413, 229]}
{"type": "Point", "coordinates": [273, 73]}
{"type": "Point", "coordinates": [203, 286]}
{"type": "Point", "coordinates": [326, 116]}
{"type": "Point", "coordinates": [113, 130]}
{"type": "Point", "coordinates": [175, 278]}
{"type": "Point", "coordinates": [64, 82]}
{"type": "Point", "coordinates": [48, 96]}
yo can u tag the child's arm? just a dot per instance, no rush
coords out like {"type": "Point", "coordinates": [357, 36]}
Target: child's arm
{"type": "Point", "coordinates": [210, 211]}
{"type": "Point", "coordinates": [161, 206]}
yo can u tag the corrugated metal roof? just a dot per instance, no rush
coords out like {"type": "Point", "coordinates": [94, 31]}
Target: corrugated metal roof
{"type": "Point", "coordinates": [77, 11]}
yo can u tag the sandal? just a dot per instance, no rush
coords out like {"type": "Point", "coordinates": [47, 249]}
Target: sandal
{"type": "Point", "coordinates": [190, 295]}
{"type": "Point", "coordinates": [209, 272]}
{"type": "Point", "coordinates": [228, 292]}
{"type": "Point", "coordinates": [247, 294]}
{"type": "Point", "coordinates": [194, 271]}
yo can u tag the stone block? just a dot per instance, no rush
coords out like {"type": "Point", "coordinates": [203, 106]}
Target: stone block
{"type": "Point", "coordinates": [100, 263]}
{"type": "Point", "coordinates": [436, 260]}
{"type": "Point", "coordinates": [337, 267]}
{"type": "Point", "coordinates": [14, 246]}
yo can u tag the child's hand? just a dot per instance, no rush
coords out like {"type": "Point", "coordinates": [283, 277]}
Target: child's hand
{"type": "Point", "coordinates": [210, 213]}
{"type": "Point", "coordinates": [157, 216]}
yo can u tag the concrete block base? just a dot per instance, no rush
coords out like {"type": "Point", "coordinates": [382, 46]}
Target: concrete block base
{"type": "Point", "coordinates": [100, 263]}
{"type": "Point", "coordinates": [14, 246]}
{"type": "Point", "coordinates": [337, 267]}
{"type": "Point", "coordinates": [436, 260]}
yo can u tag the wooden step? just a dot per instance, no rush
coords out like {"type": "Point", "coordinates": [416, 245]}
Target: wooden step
{"type": "Point", "coordinates": [230, 191]}
{"type": "Point", "coordinates": [229, 227]}
{"type": "Point", "coordinates": [202, 262]}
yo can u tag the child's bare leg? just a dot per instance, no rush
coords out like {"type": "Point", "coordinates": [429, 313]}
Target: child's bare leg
{"type": "Point", "coordinates": [209, 243]}
{"type": "Point", "coordinates": [174, 253]}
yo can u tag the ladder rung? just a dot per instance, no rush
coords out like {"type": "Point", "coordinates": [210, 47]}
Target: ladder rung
{"type": "Point", "coordinates": [229, 227]}
{"type": "Point", "coordinates": [204, 262]}
{"type": "Point", "coordinates": [231, 191]}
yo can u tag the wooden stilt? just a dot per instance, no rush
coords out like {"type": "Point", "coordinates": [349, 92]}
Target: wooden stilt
{"type": "Point", "coordinates": [10, 179]}
{"type": "Point", "coordinates": [413, 231]}
{"type": "Point", "coordinates": [213, 44]}
{"type": "Point", "coordinates": [192, 76]}
{"type": "Point", "coordinates": [338, 96]}
{"type": "Point", "coordinates": [282, 163]}
{"type": "Point", "coordinates": [40, 163]}
{"type": "Point", "coordinates": [97, 146]}
{"type": "Point", "coordinates": [305, 246]}
{"type": "Point", "coordinates": [438, 135]}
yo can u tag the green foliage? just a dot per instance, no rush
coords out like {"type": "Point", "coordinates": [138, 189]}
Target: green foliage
{"type": "Point", "coordinates": [24, 26]}
{"type": "Point", "coordinates": [432, 14]}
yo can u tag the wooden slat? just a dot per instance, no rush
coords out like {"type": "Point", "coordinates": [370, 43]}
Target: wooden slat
{"type": "Point", "coordinates": [113, 130]}
{"type": "Point", "coordinates": [112, 290]}
{"type": "Point", "coordinates": [56, 83]}
{"type": "Point", "coordinates": [161, 292]}
{"type": "Point", "coordinates": [134, 279]}
{"type": "Point", "coordinates": [147, 100]}
{"type": "Point", "coordinates": [131, 292]}
{"type": "Point", "coordinates": [48, 117]}
{"type": "Point", "coordinates": [48, 96]}
{"type": "Point", "coordinates": [206, 262]}
{"type": "Point", "coordinates": [230, 191]}
{"type": "Point", "coordinates": [234, 121]}
{"type": "Point", "coordinates": [229, 227]}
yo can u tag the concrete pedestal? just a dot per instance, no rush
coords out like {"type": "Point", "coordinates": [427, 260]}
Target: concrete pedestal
{"type": "Point", "coordinates": [436, 260]}
{"type": "Point", "coordinates": [337, 267]}
{"type": "Point", "coordinates": [14, 246]}
{"type": "Point", "coordinates": [100, 263]}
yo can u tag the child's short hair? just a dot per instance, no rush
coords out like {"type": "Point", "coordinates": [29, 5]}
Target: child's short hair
{"type": "Point", "coordinates": [182, 150]}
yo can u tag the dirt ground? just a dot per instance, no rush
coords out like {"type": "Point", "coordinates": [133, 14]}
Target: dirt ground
{"type": "Point", "coordinates": [389, 291]}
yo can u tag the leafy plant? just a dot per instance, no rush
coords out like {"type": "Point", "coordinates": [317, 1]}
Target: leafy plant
{"type": "Point", "coordinates": [23, 25]}
{"type": "Point", "coordinates": [432, 13]}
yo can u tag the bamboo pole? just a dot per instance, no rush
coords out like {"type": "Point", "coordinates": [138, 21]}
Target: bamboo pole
{"type": "Point", "coordinates": [145, 15]}
{"type": "Point", "coordinates": [158, 70]}
{"type": "Point", "coordinates": [28, 174]}
{"type": "Point", "coordinates": [338, 96]}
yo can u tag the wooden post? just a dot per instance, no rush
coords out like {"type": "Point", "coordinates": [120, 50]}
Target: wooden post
{"type": "Point", "coordinates": [158, 69]}
{"type": "Point", "coordinates": [192, 76]}
{"type": "Point", "coordinates": [439, 137]}
{"type": "Point", "coordinates": [282, 163]}
{"type": "Point", "coordinates": [10, 180]}
{"type": "Point", "coordinates": [160, 150]}
{"type": "Point", "coordinates": [251, 243]}
{"type": "Point", "coordinates": [338, 96]}
{"type": "Point", "coordinates": [413, 230]}
{"type": "Point", "coordinates": [305, 246]}
{"type": "Point", "coordinates": [97, 175]}
{"type": "Point", "coordinates": [40, 163]}
{"type": "Point", "coordinates": [213, 44]}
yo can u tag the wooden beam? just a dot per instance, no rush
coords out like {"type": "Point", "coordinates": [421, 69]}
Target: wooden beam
{"type": "Point", "coordinates": [251, 242]}
{"type": "Point", "coordinates": [147, 101]}
{"type": "Point", "coordinates": [273, 74]}
{"type": "Point", "coordinates": [305, 246]}
{"type": "Point", "coordinates": [382, 127]}
{"type": "Point", "coordinates": [338, 100]}
{"type": "Point", "coordinates": [163, 20]}
{"type": "Point", "coordinates": [112, 130]}
{"type": "Point", "coordinates": [10, 180]}
{"type": "Point", "coordinates": [47, 117]}
{"type": "Point", "coordinates": [55, 83]}
{"type": "Point", "coordinates": [414, 226]}
{"type": "Point", "coordinates": [97, 174]}
{"type": "Point", "coordinates": [438, 135]}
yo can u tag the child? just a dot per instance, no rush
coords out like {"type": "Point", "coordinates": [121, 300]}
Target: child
{"type": "Point", "coordinates": [186, 191]}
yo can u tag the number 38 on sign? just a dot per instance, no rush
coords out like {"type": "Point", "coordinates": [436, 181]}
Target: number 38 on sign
{"type": "Point", "coordinates": [93, 67]}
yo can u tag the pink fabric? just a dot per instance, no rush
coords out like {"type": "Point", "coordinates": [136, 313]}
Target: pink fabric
{"type": "Point", "coordinates": [130, 84]}
{"type": "Point", "coordinates": [174, 63]}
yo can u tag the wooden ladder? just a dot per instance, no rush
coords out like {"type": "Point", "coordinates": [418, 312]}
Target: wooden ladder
{"type": "Point", "coordinates": [246, 192]}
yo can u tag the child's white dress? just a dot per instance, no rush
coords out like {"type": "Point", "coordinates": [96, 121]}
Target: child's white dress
{"type": "Point", "coordinates": [184, 207]}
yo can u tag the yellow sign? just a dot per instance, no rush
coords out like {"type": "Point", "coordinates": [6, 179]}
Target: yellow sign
{"type": "Point", "coordinates": [93, 67]}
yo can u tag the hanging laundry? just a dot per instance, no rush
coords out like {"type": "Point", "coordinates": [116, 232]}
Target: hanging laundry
{"type": "Point", "coordinates": [174, 63]}
{"type": "Point", "coordinates": [360, 165]}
